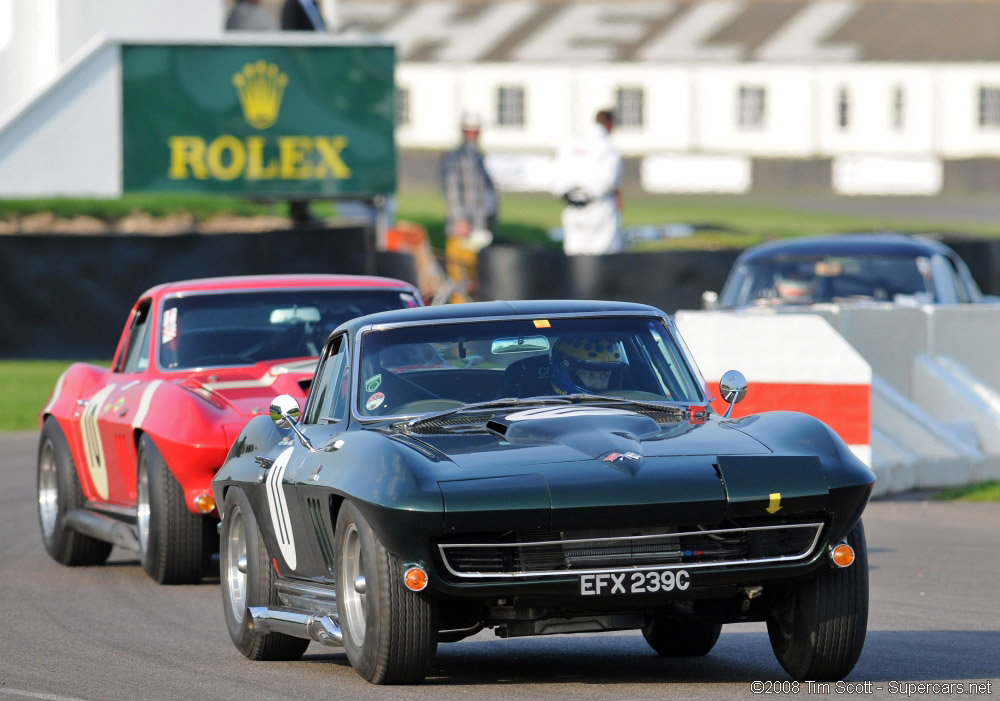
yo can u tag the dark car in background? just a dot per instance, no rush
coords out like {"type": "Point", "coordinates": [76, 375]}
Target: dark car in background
{"type": "Point", "coordinates": [535, 468]}
{"type": "Point", "coordinates": [848, 268]}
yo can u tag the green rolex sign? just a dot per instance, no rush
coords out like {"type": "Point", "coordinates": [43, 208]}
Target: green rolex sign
{"type": "Point", "coordinates": [259, 120]}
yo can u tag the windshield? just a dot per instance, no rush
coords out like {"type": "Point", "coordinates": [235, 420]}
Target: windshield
{"type": "Point", "coordinates": [242, 328]}
{"type": "Point", "coordinates": [811, 279]}
{"type": "Point", "coordinates": [438, 367]}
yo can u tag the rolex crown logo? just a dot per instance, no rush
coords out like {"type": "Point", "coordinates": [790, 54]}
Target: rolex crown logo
{"type": "Point", "coordinates": [260, 86]}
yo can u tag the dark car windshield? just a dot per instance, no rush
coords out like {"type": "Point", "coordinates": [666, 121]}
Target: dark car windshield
{"type": "Point", "coordinates": [242, 328]}
{"type": "Point", "coordinates": [812, 279]}
{"type": "Point", "coordinates": [416, 369]}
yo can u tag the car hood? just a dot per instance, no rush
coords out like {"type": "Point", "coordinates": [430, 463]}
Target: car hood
{"type": "Point", "coordinates": [249, 390]}
{"type": "Point", "coordinates": [569, 434]}
{"type": "Point", "coordinates": [574, 466]}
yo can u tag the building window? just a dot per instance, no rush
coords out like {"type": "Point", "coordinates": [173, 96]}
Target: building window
{"type": "Point", "coordinates": [989, 106]}
{"type": "Point", "coordinates": [510, 106]}
{"type": "Point", "coordinates": [752, 107]}
{"type": "Point", "coordinates": [629, 108]}
{"type": "Point", "coordinates": [843, 109]}
{"type": "Point", "coordinates": [898, 107]}
{"type": "Point", "coordinates": [402, 106]}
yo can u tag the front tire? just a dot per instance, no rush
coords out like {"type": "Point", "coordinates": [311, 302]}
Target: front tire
{"type": "Point", "coordinates": [675, 638]}
{"type": "Point", "coordinates": [175, 545]}
{"type": "Point", "coordinates": [818, 633]}
{"type": "Point", "coordinates": [390, 632]}
{"type": "Point", "coordinates": [249, 584]}
{"type": "Point", "coordinates": [58, 491]}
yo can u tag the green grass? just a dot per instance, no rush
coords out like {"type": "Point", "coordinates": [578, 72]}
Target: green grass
{"type": "Point", "coordinates": [984, 491]}
{"type": "Point", "coordinates": [27, 385]}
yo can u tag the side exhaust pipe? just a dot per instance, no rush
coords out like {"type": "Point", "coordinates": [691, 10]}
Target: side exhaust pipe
{"type": "Point", "coordinates": [102, 527]}
{"type": "Point", "coordinates": [322, 629]}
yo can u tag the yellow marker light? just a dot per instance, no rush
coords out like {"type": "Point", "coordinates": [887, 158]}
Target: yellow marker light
{"type": "Point", "coordinates": [842, 555]}
{"type": "Point", "coordinates": [204, 503]}
{"type": "Point", "coordinates": [415, 579]}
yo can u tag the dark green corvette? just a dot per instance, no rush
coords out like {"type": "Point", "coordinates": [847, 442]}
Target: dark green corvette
{"type": "Point", "coordinates": [535, 468]}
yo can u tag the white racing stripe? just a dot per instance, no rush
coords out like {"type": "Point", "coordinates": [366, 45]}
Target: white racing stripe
{"type": "Point", "coordinates": [93, 448]}
{"type": "Point", "coordinates": [563, 412]}
{"type": "Point", "coordinates": [278, 506]}
{"type": "Point", "coordinates": [55, 394]}
{"type": "Point", "coordinates": [144, 403]}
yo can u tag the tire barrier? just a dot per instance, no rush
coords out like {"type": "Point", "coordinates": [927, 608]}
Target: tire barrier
{"type": "Point", "coordinates": [668, 280]}
{"type": "Point", "coordinates": [67, 296]}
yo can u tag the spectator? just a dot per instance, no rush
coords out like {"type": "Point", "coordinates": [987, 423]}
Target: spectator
{"type": "Point", "coordinates": [471, 200]}
{"type": "Point", "coordinates": [587, 176]}
{"type": "Point", "coordinates": [251, 16]}
{"type": "Point", "coordinates": [302, 15]}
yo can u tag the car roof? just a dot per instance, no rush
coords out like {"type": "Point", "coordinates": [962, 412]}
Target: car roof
{"type": "Point", "coordinates": [889, 244]}
{"type": "Point", "coordinates": [268, 282]}
{"type": "Point", "coordinates": [499, 309]}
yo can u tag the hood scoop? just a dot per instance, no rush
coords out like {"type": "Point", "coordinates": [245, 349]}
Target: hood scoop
{"type": "Point", "coordinates": [595, 432]}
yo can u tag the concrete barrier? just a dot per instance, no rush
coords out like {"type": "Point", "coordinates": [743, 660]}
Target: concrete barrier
{"type": "Point", "coordinates": [795, 362]}
{"type": "Point", "coordinates": [934, 376]}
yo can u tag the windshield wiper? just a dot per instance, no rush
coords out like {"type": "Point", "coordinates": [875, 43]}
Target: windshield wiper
{"type": "Point", "coordinates": [599, 398]}
{"type": "Point", "coordinates": [491, 404]}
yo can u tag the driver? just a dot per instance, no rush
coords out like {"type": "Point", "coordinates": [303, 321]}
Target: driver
{"type": "Point", "coordinates": [587, 364]}
{"type": "Point", "coordinates": [794, 284]}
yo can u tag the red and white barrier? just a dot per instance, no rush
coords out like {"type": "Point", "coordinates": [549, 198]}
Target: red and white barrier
{"type": "Point", "coordinates": [795, 362]}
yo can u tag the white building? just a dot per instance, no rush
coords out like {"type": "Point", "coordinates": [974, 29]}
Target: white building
{"type": "Point", "coordinates": [878, 96]}
{"type": "Point", "coordinates": [890, 94]}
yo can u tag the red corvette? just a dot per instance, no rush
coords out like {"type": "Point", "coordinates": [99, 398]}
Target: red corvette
{"type": "Point", "coordinates": [127, 454]}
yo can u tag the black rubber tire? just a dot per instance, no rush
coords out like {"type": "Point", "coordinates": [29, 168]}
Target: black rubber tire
{"type": "Point", "coordinates": [241, 535]}
{"type": "Point", "coordinates": [58, 490]}
{"type": "Point", "coordinates": [818, 633]}
{"type": "Point", "coordinates": [179, 545]}
{"type": "Point", "coordinates": [675, 638]}
{"type": "Point", "coordinates": [399, 639]}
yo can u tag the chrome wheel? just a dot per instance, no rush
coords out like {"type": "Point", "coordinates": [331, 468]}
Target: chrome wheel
{"type": "Point", "coordinates": [234, 565]}
{"type": "Point", "coordinates": [48, 489]}
{"type": "Point", "coordinates": [354, 602]}
{"type": "Point", "coordinates": [142, 510]}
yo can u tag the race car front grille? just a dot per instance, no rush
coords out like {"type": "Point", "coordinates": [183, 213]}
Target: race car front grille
{"type": "Point", "coordinates": [578, 553]}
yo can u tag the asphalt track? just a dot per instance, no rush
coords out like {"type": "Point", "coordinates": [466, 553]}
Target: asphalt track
{"type": "Point", "coordinates": [111, 633]}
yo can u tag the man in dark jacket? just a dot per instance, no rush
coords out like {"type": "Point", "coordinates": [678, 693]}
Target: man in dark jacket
{"type": "Point", "coordinates": [471, 201]}
{"type": "Point", "coordinates": [302, 15]}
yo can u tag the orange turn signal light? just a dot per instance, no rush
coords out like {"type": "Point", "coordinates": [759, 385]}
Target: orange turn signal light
{"type": "Point", "coordinates": [204, 503]}
{"type": "Point", "coordinates": [842, 555]}
{"type": "Point", "coordinates": [415, 578]}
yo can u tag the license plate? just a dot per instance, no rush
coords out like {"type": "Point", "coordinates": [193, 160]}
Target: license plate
{"type": "Point", "coordinates": [633, 582]}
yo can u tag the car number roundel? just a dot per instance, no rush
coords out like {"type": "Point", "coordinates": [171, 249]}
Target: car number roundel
{"type": "Point", "coordinates": [279, 508]}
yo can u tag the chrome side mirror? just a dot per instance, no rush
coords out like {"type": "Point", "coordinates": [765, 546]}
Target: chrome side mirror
{"type": "Point", "coordinates": [709, 300]}
{"type": "Point", "coordinates": [285, 411]}
{"type": "Point", "coordinates": [733, 388]}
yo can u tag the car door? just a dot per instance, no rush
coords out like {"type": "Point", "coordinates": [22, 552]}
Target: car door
{"type": "Point", "coordinates": [299, 510]}
{"type": "Point", "coordinates": [107, 416]}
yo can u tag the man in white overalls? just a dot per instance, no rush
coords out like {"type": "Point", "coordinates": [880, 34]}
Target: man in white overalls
{"type": "Point", "coordinates": [587, 176]}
